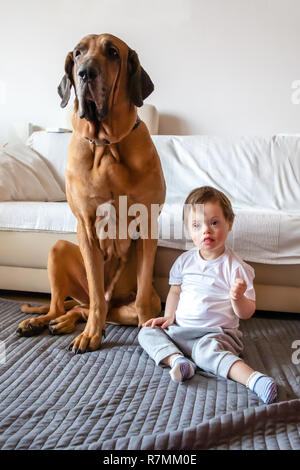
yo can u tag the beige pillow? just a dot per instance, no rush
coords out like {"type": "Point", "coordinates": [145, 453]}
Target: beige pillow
{"type": "Point", "coordinates": [25, 176]}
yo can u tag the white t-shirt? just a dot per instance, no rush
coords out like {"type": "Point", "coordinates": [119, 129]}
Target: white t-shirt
{"type": "Point", "coordinates": [204, 299]}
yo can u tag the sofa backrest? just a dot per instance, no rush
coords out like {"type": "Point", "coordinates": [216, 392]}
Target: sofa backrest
{"type": "Point", "coordinates": [254, 172]}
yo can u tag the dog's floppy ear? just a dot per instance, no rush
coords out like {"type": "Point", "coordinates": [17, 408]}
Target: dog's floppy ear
{"type": "Point", "coordinates": [139, 83]}
{"type": "Point", "coordinates": [64, 88]}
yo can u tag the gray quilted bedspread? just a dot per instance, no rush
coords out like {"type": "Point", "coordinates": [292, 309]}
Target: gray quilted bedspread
{"type": "Point", "coordinates": [116, 398]}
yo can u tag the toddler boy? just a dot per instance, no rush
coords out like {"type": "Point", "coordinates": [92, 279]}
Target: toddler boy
{"type": "Point", "coordinates": [211, 289]}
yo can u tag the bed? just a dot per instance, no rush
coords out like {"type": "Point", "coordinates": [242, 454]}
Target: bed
{"type": "Point", "coordinates": [117, 399]}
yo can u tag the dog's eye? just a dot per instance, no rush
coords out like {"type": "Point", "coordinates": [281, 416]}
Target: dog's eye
{"type": "Point", "coordinates": [77, 53]}
{"type": "Point", "coordinates": [112, 52]}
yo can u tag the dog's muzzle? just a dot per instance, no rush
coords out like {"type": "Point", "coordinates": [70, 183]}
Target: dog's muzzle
{"type": "Point", "coordinates": [91, 93]}
{"type": "Point", "coordinates": [87, 72]}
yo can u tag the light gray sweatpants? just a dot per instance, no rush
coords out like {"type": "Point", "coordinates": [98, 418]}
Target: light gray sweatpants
{"type": "Point", "coordinates": [212, 349]}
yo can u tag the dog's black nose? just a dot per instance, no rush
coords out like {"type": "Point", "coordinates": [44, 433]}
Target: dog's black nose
{"type": "Point", "coordinates": [87, 72]}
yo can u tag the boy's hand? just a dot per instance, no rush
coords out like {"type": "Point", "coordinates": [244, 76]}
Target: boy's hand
{"type": "Point", "coordinates": [164, 322]}
{"type": "Point", "coordinates": [237, 289]}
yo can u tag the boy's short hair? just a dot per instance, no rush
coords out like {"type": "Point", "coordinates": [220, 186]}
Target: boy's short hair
{"type": "Point", "coordinates": [210, 194]}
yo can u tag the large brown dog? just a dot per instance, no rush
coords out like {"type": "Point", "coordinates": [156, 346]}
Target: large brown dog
{"type": "Point", "coordinates": [111, 154]}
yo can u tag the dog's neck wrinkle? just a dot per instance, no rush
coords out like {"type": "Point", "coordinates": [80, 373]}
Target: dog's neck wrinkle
{"type": "Point", "coordinates": [98, 157]}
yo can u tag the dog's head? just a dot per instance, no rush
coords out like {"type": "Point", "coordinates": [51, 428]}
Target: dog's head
{"type": "Point", "coordinates": [103, 70]}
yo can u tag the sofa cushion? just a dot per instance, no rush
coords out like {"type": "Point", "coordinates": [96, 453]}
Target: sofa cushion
{"type": "Point", "coordinates": [259, 236]}
{"type": "Point", "coordinates": [53, 147]}
{"type": "Point", "coordinates": [42, 216]}
{"type": "Point", "coordinates": [24, 175]}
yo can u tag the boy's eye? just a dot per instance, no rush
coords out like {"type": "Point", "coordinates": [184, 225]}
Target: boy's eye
{"type": "Point", "coordinates": [196, 226]}
{"type": "Point", "coordinates": [214, 222]}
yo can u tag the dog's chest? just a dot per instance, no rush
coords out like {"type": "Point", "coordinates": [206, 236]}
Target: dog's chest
{"type": "Point", "coordinates": [94, 178]}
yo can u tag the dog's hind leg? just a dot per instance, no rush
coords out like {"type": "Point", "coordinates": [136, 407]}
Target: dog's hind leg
{"type": "Point", "coordinates": [67, 278]}
{"type": "Point", "coordinates": [123, 315]}
{"type": "Point", "coordinates": [26, 308]}
{"type": "Point", "coordinates": [127, 314]}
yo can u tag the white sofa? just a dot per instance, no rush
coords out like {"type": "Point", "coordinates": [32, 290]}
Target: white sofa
{"type": "Point", "coordinates": [261, 176]}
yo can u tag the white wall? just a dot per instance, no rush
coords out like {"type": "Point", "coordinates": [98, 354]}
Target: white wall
{"type": "Point", "coordinates": [219, 66]}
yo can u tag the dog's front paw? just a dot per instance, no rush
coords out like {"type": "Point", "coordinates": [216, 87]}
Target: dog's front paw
{"type": "Point", "coordinates": [62, 325]}
{"type": "Point", "coordinates": [86, 343]}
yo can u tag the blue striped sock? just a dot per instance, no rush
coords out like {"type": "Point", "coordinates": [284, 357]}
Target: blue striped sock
{"type": "Point", "coordinates": [265, 387]}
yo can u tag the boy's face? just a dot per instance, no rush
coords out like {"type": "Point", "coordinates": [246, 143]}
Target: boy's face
{"type": "Point", "coordinates": [208, 229]}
